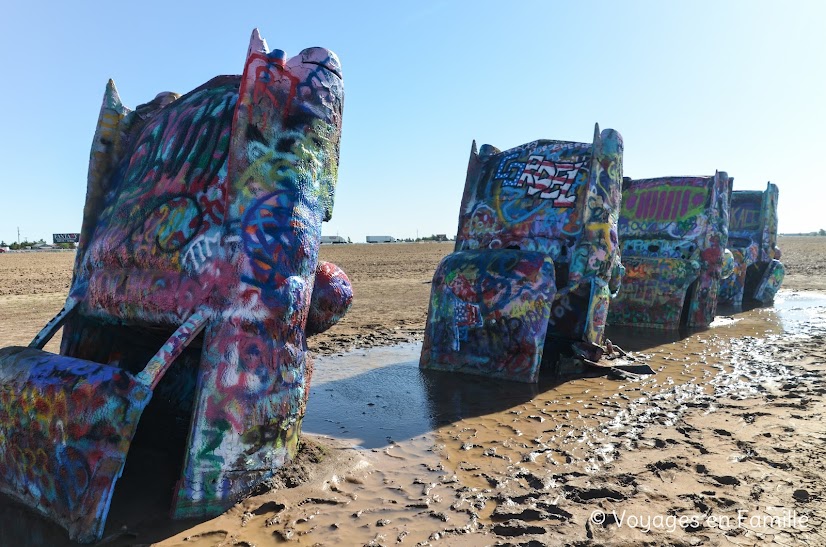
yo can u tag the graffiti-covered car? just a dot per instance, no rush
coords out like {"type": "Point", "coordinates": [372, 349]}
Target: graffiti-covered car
{"type": "Point", "coordinates": [673, 233]}
{"type": "Point", "coordinates": [535, 262]}
{"type": "Point", "coordinates": [757, 272]}
{"type": "Point", "coordinates": [196, 283]}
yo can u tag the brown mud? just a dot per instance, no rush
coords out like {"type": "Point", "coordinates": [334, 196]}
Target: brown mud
{"type": "Point", "coordinates": [723, 445]}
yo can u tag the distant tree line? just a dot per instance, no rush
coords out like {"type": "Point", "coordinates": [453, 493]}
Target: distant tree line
{"type": "Point", "coordinates": [432, 237]}
{"type": "Point", "coordinates": [25, 244]}
{"type": "Point", "coordinates": [820, 232]}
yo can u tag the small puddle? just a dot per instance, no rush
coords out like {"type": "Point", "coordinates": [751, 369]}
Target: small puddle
{"type": "Point", "coordinates": [377, 397]}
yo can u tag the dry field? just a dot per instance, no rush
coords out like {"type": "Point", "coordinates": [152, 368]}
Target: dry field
{"type": "Point", "coordinates": [391, 284]}
{"type": "Point", "coordinates": [528, 469]}
{"type": "Point", "coordinates": [805, 260]}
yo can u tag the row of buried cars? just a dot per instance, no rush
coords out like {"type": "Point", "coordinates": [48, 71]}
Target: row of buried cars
{"type": "Point", "coordinates": [554, 244]}
{"type": "Point", "coordinates": [197, 282]}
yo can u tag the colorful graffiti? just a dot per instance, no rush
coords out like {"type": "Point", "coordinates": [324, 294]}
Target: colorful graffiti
{"type": "Point", "coordinates": [200, 237]}
{"type": "Point", "coordinates": [558, 199]}
{"type": "Point", "coordinates": [491, 311]}
{"type": "Point", "coordinates": [66, 429]}
{"type": "Point", "coordinates": [673, 232]}
{"type": "Point", "coordinates": [657, 205]}
{"type": "Point", "coordinates": [758, 272]}
{"type": "Point", "coordinates": [661, 283]}
{"type": "Point", "coordinates": [331, 299]}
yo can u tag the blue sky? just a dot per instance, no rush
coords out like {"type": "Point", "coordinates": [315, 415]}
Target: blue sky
{"type": "Point", "coordinates": [692, 87]}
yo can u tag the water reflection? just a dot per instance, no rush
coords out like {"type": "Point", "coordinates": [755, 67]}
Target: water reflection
{"type": "Point", "coordinates": [394, 400]}
{"type": "Point", "coordinates": [380, 396]}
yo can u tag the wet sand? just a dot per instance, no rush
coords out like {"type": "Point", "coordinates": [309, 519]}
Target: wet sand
{"type": "Point", "coordinates": [724, 445]}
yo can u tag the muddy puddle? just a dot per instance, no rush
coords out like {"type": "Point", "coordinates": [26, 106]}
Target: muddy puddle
{"type": "Point", "coordinates": [377, 398]}
{"type": "Point", "coordinates": [469, 460]}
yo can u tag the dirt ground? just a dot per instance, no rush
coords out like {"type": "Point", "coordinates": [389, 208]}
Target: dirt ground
{"type": "Point", "coordinates": [724, 446]}
{"type": "Point", "coordinates": [804, 260]}
{"type": "Point", "coordinates": [391, 285]}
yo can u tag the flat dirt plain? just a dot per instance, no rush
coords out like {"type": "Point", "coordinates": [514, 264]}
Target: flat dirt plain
{"type": "Point", "coordinates": [391, 283]}
{"type": "Point", "coordinates": [725, 445]}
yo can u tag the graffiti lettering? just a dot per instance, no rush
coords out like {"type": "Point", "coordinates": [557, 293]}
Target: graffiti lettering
{"type": "Point", "coordinates": [498, 338]}
{"type": "Point", "coordinates": [200, 251]}
{"type": "Point", "coordinates": [509, 169]}
{"type": "Point", "coordinates": [561, 307]}
{"type": "Point", "coordinates": [663, 205]}
{"type": "Point", "coordinates": [551, 180]}
{"type": "Point", "coordinates": [745, 216]}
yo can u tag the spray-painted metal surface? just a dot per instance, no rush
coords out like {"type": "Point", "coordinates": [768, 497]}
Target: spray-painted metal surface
{"type": "Point", "coordinates": [193, 288]}
{"type": "Point", "coordinates": [673, 232]}
{"type": "Point", "coordinates": [757, 271]}
{"type": "Point", "coordinates": [535, 261]}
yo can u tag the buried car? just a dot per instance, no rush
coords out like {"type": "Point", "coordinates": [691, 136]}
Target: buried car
{"type": "Point", "coordinates": [535, 262]}
{"type": "Point", "coordinates": [673, 232]}
{"type": "Point", "coordinates": [757, 271]}
{"type": "Point", "coordinates": [195, 285]}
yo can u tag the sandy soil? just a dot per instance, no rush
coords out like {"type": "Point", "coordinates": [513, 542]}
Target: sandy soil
{"type": "Point", "coordinates": [724, 445]}
{"type": "Point", "coordinates": [391, 285]}
{"type": "Point", "coordinates": [804, 260]}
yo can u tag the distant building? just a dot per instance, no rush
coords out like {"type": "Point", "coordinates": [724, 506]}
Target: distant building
{"type": "Point", "coordinates": [332, 239]}
{"type": "Point", "coordinates": [441, 237]}
{"type": "Point", "coordinates": [380, 239]}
